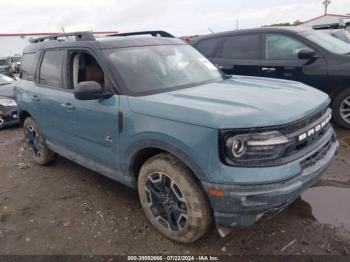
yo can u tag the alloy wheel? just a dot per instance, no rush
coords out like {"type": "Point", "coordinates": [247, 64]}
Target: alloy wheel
{"type": "Point", "coordinates": [33, 141]}
{"type": "Point", "coordinates": [345, 109]}
{"type": "Point", "coordinates": [166, 201]}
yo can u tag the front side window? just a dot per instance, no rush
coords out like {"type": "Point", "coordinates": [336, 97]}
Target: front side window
{"type": "Point", "coordinates": [282, 47]}
{"type": "Point", "coordinates": [155, 69]}
{"type": "Point", "coordinates": [28, 66]}
{"type": "Point", "coordinates": [51, 68]}
{"type": "Point", "coordinates": [241, 47]}
{"type": "Point", "coordinates": [84, 67]}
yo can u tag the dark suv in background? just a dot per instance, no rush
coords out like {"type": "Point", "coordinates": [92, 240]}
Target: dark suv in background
{"type": "Point", "coordinates": [294, 53]}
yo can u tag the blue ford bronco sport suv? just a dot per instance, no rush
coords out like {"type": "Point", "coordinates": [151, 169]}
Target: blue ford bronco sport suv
{"type": "Point", "coordinates": [154, 114]}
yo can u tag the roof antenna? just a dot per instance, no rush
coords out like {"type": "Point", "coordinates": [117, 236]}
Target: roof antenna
{"type": "Point", "coordinates": [63, 31]}
{"type": "Point", "coordinates": [211, 31]}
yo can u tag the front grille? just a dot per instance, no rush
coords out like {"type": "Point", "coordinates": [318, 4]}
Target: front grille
{"type": "Point", "coordinates": [302, 123]}
{"type": "Point", "coordinates": [294, 146]}
{"type": "Point", "coordinates": [304, 136]}
{"type": "Point", "coordinates": [314, 158]}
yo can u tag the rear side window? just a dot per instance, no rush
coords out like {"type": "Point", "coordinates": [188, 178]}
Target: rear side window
{"type": "Point", "coordinates": [51, 68]}
{"type": "Point", "coordinates": [28, 66]}
{"type": "Point", "coordinates": [241, 47]}
{"type": "Point", "coordinates": [208, 47]}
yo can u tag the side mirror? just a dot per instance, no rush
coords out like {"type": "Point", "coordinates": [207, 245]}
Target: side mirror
{"type": "Point", "coordinates": [89, 90]}
{"type": "Point", "coordinates": [307, 53]}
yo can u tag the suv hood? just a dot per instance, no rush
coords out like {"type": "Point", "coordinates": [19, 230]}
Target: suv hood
{"type": "Point", "coordinates": [238, 102]}
{"type": "Point", "coordinates": [6, 91]}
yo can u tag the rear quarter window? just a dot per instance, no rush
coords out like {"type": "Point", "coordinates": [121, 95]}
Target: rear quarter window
{"type": "Point", "coordinates": [28, 66]}
{"type": "Point", "coordinates": [208, 47]}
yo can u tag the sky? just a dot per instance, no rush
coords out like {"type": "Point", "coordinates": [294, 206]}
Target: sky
{"type": "Point", "coordinates": [179, 17]}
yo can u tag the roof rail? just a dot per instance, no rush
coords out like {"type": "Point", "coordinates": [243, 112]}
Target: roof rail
{"type": "Point", "coordinates": [326, 26]}
{"type": "Point", "coordinates": [79, 36]}
{"type": "Point", "coordinates": [152, 33]}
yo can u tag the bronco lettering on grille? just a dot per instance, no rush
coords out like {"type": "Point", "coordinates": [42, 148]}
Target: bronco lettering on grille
{"type": "Point", "coordinates": [315, 129]}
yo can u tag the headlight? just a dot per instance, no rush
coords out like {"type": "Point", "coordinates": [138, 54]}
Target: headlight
{"type": "Point", "coordinates": [7, 102]}
{"type": "Point", "coordinates": [254, 148]}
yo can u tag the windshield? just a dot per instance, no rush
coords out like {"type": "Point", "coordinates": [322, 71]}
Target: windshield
{"type": "Point", "coordinates": [342, 35]}
{"type": "Point", "coordinates": [328, 42]}
{"type": "Point", "coordinates": [3, 62]}
{"type": "Point", "coordinates": [16, 59]}
{"type": "Point", "coordinates": [5, 80]}
{"type": "Point", "coordinates": [155, 69]}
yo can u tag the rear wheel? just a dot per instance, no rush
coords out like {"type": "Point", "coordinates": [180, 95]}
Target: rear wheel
{"type": "Point", "coordinates": [341, 108]}
{"type": "Point", "coordinates": [41, 154]}
{"type": "Point", "coordinates": [172, 200]}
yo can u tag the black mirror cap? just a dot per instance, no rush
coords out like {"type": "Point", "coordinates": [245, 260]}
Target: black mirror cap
{"type": "Point", "coordinates": [307, 53]}
{"type": "Point", "coordinates": [88, 90]}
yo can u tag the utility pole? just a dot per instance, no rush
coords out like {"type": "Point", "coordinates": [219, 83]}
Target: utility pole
{"type": "Point", "coordinates": [326, 4]}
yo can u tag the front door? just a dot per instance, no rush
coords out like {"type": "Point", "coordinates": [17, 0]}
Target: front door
{"type": "Point", "coordinates": [91, 124]}
{"type": "Point", "coordinates": [280, 60]}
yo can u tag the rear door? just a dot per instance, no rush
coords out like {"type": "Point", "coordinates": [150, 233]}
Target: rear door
{"type": "Point", "coordinates": [280, 60]}
{"type": "Point", "coordinates": [239, 54]}
{"type": "Point", "coordinates": [47, 94]}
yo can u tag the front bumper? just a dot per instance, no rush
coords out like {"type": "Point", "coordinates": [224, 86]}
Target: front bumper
{"type": "Point", "coordinates": [243, 205]}
{"type": "Point", "coordinates": [8, 116]}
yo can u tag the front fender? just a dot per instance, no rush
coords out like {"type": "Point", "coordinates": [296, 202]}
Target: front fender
{"type": "Point", "coordinates": [182, 152]}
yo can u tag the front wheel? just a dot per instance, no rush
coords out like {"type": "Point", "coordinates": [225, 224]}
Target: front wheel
{"type": "Point", "coordinates": [341, 109]}
{"type": "Point", "coordinates": [172, 199]}
{"type": "Point", "coordinates": [42, 155]}
{"type": "Point", "coordinates": [2, 123]}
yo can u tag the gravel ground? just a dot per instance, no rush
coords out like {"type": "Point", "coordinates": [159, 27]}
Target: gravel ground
{"type": "Point", "coordinates": [66, 209]}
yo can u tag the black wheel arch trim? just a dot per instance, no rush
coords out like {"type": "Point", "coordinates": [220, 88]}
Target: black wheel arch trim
{"type": "Point", "coordinates": [127, 164]}
{"type": "Point", "coordinates": [22, 115]}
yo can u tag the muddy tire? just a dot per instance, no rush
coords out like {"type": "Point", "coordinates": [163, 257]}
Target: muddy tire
{"type": "Point", "coordinates": [341, 109]}
{"type": "Point", "coordinates": [2, 123]}
{"type": "Point", "coordinates": [172, 199]}
{"type": "Point", "coordinates": [36, 145]}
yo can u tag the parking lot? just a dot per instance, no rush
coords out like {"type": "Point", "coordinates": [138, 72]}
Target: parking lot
{"type": "Point", "coordinates": [67, 209]}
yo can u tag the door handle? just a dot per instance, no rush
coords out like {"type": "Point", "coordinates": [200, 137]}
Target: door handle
{"type": "Point", "coordinates": [68, 106]}
{"type": "Point", "coordinates": [35, 98]}
{"type": "Point", "coordinates": [268, 69]}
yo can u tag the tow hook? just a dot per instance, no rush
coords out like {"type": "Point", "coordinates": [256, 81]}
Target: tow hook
{"type": "Point", "coordinates": [223, 230]}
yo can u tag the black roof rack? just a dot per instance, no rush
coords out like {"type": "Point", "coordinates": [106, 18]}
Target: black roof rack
{"type": "Point", "coordinates": [152, 33]}
{"type": "Point", "coordinates": [79, 36]}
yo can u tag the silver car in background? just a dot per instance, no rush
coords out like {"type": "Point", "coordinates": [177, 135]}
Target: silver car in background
{"type": "Point", "coordinates": [4, 67]}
